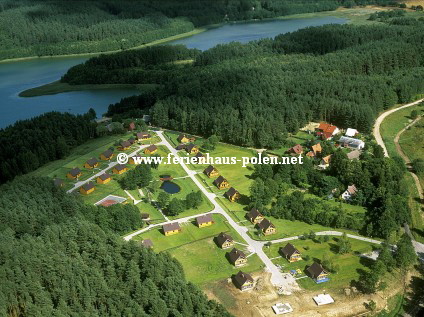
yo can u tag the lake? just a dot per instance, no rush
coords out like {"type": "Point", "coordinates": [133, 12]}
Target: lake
{"type": "Point", "coordinates": [21, 75]}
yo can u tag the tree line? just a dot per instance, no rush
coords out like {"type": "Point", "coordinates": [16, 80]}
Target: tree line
{"type": "Point", "coordinates": [60, 257]}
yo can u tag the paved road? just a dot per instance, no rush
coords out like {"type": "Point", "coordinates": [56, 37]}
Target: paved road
{"type": "Point", "coordinates": [376, 130]}
{"type": "Point", "coordinates": [419, 247]}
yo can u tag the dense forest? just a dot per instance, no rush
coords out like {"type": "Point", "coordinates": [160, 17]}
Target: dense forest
{"type": "Point", "coordinates": [29, 144]}
{"type": "Point", "coordinates": [56, 261]}
{"type": "Point", "coordinates": [253, 94]}
{"type": "Point", "coordinates": [41, 27]}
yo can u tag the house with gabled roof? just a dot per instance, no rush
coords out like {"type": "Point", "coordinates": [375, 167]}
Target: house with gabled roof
{"type": "Point", "coordinates": [131, 126]}
{"type": "Point", "coordinates": [106, 155]}
{"type": "Point", "coordinates": [326, 131]}
{"type": "Point", "coordinates": [295, 150]}
{"type": "Point", "coordinates": [224, 241]}
{"type": "Point", "coordinates": [317, 273]}
{"type": "Point", "coordinates": [143, 136]}
{"type": "Point", "coordinates": [124, 145]}
{"type": "Point", "coordinates": [104, 178]}
{"type": "Point", "coordinates": [192, 148]}
{"type": "Point", "coordinates": [315, 151]}
{"type": "Point", "coordinates": [119, 169]}
{"type": "Point", "coordinates": [180, 147]}
{"type": "Point", "coordinates": [255, 216]}
{"type": "Point", "coordinates": [243, 281]}
{"type": "Point", "coordinates": [351, 132]}
{"type": "Point", "coordinates": [147, 243]}
{"type": "Point", "coordinates": [151, 149]}
{"type": "Point", "coordinates": [204, 221]}
{"type": "Point", "coordinates": [58, 182]}
{"type": "Point", "coordinates": [325, 162]}
{"type": "Point", "coordinates": [349, 192]}
{"type": "Point", "coordinates": [87, 188]}
{"type": "Point", "coordinates": [91, 163]}
{"type": "Point", "coordinates": [171, 228]}
{"type": "Point", "coordinates": [221, 183]}
{"type": "Point", "coordinates": [184, 138]}
{"type": "Point", "coordinates": [211, 171]}
{"type": "Point", "coordinates": [267, 227]}
{"type": "Point", "coordinates": [232, 194]}
{"type": "Point", "coordinates": [237, 257]}
{"type": "Point", "coordinates": [290, 253]}
{"type": "Point", "coordinates": [74, 173]}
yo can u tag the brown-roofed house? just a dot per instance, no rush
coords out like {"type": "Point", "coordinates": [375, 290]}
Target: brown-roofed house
{"type": "Point", "coordinates": [317, 272]}
{"type": "Point", "coordinates": [87, 188]}
{"type": "Point", "coordinates": [267, 227]}
{"type": "Point", "coordinates": [145, 216]}
{"type": "Point", "coordinates": [290, 253]}
{"type": "Point", "coordinates": [204, 221]}
{"type": "Point", "coordinates": [326, 131]}
{"type": "Point", "coordinates": [192, 148]}
{"type": "Point", "coordinates": [131, 140]}
{"type": "Point", "coordinates": [184, 138]}
{"type": "Point", "coordinates": [124, 145]}
{"type": "Point", "coordinates": [255, 216]}
{"type": "Point", "coordinates": [201, 159]}
{"type": "Point", "coordinates": [131, 126]}
{"type": "Point", "coordinates": [106, 155]}
{"type": "Point", "coordinates": [91, 163]}
{"type": "Point", "coordinates": [232, 194]}
{"type": "Point", "coordinates": [237, 257]}
{"type": "Point", "coordinates": [147, 243]}
{"type": "Point", "coordinates": [103, 179]}
{"type": "Point", "coordinates": [211, 171]}
{"type": "Point", "coordinates": [119, 169]}
{"type": "Point", "coordinates": [316, 150]}
{"type": "Point", "coordinates": [171, 228]}
{"type": "Point", "coordinates": [296, 150]}
{"type": "Point", "coordinates": [58, 182]}
{"type": "Point", "coordinates": [74, 173]}
{"type": "Point", "coordinates": [221, 183]}
{"type": "Point", "coordinates": [151, 149]}
{"type": "Point", "coordinates": [243, 281]}
{"type": "Point", "coordinates": [224, 241]}
{"type": "Point", "coordinates": [180, 147]}
{"type": "Point", "coordinates": [143, 136]}
{"type": "Point", "coordinates": [134, 159]}
{"type": "Point", "coordinates": [349, 192]}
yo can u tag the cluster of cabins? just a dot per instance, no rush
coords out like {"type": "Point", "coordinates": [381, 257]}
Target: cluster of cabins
{"type": "Point", "coordinates": [186, 143]}
{"type": "Point", "coordinates": [266, 226]}
{"type": "Point", "coordinates": [170, 229]}
{"type": "Point", "coordinates": [107, 155]}
{"type": "Point", "coordinates": [221, 183]}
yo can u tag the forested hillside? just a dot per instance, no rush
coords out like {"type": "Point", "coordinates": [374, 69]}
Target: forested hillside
{"type": "Point", "coordinates": [253, 94]}
{"type": "Point", "coordinates": [56, 262]}
{"type": "Point", "coordinates": [37, 28]}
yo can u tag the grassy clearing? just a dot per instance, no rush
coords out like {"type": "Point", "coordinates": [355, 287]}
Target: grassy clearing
{"type": "Point", "coordinates": [155, 215]}
{"type": "Point", "coordinates": [350, 264]}
{"type": "Point", "coordinates": [301, 137]}
{"type": "Point", "coordinates": [57, 87]}
{"type": "Point", "coordinates": [195, 249]}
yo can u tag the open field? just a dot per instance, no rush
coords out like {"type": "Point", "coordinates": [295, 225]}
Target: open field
{"type": "Point", "coordinates": [195, 249]}
{"type": "Point", "coordinates": [350, 264]}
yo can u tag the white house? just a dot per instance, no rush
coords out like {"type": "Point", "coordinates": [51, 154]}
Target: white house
{"type": "Point", "coordinates": [349, 192]}
{"type": "Point", "coordinates": [351, 132]}
{"type": "Point", "coordinates": [352, 143]}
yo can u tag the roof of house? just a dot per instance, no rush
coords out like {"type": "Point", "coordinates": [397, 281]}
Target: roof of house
{"type": "Point", "coordinates": [199, 155]}
{"type": "Point", "coordinates": [58, 182]}
{"type": "Point", "coordinates": [254, 213]}
{"type": "Point", "coordinates": [104, 176]}
{"type": "Point", "coordinates": [182, 136]}
{"type": "Point", "coordinates": [125, 144]}
{"type": "Point", "coordinates": [231, 192]}
{"type": "Point", "coordinates": [326, 127]}
{"type": "Point", "coordinates": [223, 237]}
{"type": "Point", "coordinates": [131, 140]}
{"type": "Point", "coordinates": [209, 169]}
{"type": "Point", "coordinates": [289, 250]}
{"type": "Point", "coordinates": [265, 224]}
{"type": "Point", "coordinates": [241, 278]}
{"type": "Point", "coordinates": [351, 142]}
{"type": "Point", "coordinates": [120, 167]}
{"type": "Point", "coordinates": [298, 149]}
{"type": "Point", "coordinates": [145, 215]}
{"type": "Point", "coordinates": [327, 159]}
{"type": "Point", "coordinates": [235, 254]}
{"type": "Point", "coordinates": [131, 126]}
{"type": "Point", "coordinates": [88, 186]}
{"type": "Point", "coordinates": [204, 219]}
{"type": "Point", "coordinates": [351, 132]}
{"type": "Point", "coordinates": [315, 270]}
{"type": "Point", "coordinates": [171, 226]}
{"type": "Point", "coordinates": [93, 161]}
{"type": "Point", "coordinates": [75, 171]}
{"type": "Point", "coordinates": [152, 148]}
{"type": "Point", "coordinates": [190, 147]}
{"type": "Point", "coordinates": [181, 146]}
{"type": "Point", "coordinates": [219, 180]}
{"type": "Point", "coordinates": [354, 155]}
{"type": "Point", "coordinates": [351, 189]}
{"type": "Point", "coordinates": [147, 243]}
{"type": "Point", "coordinates": [107, 153]}
{"type": "Point", "coordinates": [141, 135]}
{"type": "Point", "coordinates": [316, 148]}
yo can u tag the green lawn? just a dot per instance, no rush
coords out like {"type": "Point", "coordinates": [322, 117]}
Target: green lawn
{"type": "Point", "coordinates": [349, 264]}
{"type": "Point", "coordinates": [301, 137]}
{"type": "Point", "coordinates": [155, 215]}
{"type": "Point", "coordinates": [195, 249]}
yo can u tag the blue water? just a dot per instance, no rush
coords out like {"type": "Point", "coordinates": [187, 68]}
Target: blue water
{"type": "Point", "coordinates": [170, 187]}
{"type": "Point", "coordinates": [18, 76]}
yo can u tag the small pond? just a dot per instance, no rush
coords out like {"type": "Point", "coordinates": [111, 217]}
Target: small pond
{"type": "Point", "coordinates": [170, 187]}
